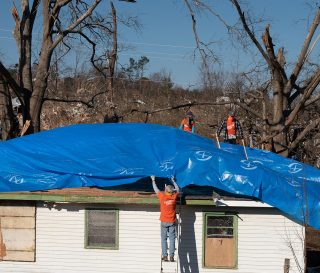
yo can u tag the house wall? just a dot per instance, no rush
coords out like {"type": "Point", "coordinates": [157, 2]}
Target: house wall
{"type": "Point", "coordinates": [17, 231]}
{"type": "Point", "coordinates": [263, 241]}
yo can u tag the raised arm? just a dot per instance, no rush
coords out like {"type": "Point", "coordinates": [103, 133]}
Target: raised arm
{"type": "Point", "coordinates": [155, 188]}
{"type": "Point", "coordinates": [176, 187]}
{"type": "Point", "coordinates": [239, 129]}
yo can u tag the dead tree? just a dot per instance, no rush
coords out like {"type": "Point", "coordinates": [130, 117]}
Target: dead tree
{"type": "Point", "coordinates": [288, 96]}
{"type": "Point", "coordinates": [30, 88]}
{"type": "Point", "coordinates": [292, 92]}
{"type": "Point", "coordinates": [106, 64]}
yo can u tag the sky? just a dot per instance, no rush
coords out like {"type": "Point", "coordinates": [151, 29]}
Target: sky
{"type": "Point", "coordinates": [167, 39]}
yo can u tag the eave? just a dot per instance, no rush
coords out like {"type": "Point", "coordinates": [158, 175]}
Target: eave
{"type": "Point", "coordinates": [100, 196]}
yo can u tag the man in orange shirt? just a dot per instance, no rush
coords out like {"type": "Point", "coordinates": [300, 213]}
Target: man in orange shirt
{"type": "Point", "coordinates": [188, 123]}
{"type": "Point", "coordinates": [231, 128]}
{"type": "Point", "coordinates": [168, 201]}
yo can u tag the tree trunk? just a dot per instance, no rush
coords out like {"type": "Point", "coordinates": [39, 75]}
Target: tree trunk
{"type": "Point", "coordinates": [25, 55]}
{"type": "Point", "coordinates": [31, 96]}
{"type": "Point", "coordinates": [23, 36]}
{"type": "Point", "coordinates": [280, 140]}
{"type": "Point", "coordinates": [6, 112]}
{"type": "Point", "coordinates": [41, 79]}
{"type": "Point", "coordinates": [288, 97]}
{"type": "Point", "coordinates": [40, 87]}
{"type": "Point", "coordinates": [112, 57]}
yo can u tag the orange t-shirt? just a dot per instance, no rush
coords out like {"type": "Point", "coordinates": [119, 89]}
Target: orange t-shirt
{"type": "Point", "coordinates": [186, 127]}
{"type": "Point", "coordinates": [167, 207]}
{"type": "Point", "coordinates": [231, 126]}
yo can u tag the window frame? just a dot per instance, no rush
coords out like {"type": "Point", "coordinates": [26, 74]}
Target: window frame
{"type": "Point", "coordinates": [102, 246]}
{"type": "Point", "coordinates": [235, 233]}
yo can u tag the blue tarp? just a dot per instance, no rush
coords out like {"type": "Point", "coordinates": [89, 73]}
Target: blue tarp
{"type": "Point", "coordinates": [104, 155]}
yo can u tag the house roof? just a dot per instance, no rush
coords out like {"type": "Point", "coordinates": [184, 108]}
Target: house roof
{"type": "Point", "coordinates": [104, 155]}
{"type": "Point", "coordinates": [140, 192]}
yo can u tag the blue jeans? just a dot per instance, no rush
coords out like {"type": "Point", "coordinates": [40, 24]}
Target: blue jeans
{"type": "Point", "coordinates": [168, 230]}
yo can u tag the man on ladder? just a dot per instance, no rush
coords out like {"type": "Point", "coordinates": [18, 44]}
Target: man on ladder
{"type": "Point", "coordinates": [168, 201]}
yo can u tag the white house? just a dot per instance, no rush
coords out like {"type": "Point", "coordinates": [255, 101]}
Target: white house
{"type": "Point", "coordinates": [95, 230]}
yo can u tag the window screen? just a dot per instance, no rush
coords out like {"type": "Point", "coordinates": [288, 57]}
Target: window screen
{"type": "Point", "coordinates": [102, 229]}
{"type": "Point", "coordinates": [219, 226]}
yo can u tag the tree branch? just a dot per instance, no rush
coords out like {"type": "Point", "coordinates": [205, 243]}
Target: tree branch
{"type": "Point", "coordinates": [308, 92]}
{"type": "Point", "coordinates": [12, 83]}
{"type": "Point", "coordinates": [93, 53]}
{"type": "Point", "coordinates": [75, 24]}
{"type": "Point", "coordinates": [313, 124]}
{"type": "Point", "coordinates": [312, 100]}
{"type": "Point", "coordinates": [33, 12]}
{"type": "Point", "coordinates": [249, 32]}
{"type": "Point", "coordinates": [58, 5]}
{"type": "Point", "coordinates": [302, 57]}
{"type": "Point", "coordinates": [87, 103]}
{"type": "Point", "coordinates": [274, 61]}
{"type": "Point", "coordinates": [194, 103]}
{"type": "Point", "coordinates": [199, 44]}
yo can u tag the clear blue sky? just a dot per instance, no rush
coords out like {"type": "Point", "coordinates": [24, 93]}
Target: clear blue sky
{"type": "Point", "coordinates": [166, 36]}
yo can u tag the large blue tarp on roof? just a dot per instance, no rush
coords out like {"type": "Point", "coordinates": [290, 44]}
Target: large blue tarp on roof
{"type": "Point", "coordinates": [105, 155]}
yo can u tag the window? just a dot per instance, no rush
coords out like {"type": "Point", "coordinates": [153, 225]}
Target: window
{"type": "Point", "coordinates": [220, 240]}
{"type": "Point", "coordinates": [101, 229]}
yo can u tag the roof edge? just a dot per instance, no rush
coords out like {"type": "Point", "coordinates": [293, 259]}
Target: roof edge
{"type": "Point", "coordinates": [80, 198]}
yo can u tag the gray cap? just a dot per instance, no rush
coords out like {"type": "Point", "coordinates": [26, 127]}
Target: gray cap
{"type": "Point", "coordinates": [169, 189]}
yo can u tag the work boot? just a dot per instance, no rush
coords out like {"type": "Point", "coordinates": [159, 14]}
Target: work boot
{"type": "Point", "coordinates": [171, 259]}
{"type": "Point", "coordinates": [165, 258]}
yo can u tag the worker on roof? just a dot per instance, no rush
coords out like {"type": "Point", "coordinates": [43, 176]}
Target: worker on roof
{"type": "Point", "coordinates": [168, 201]}
{"type": "Point", "coordinates": [231, 128]}
{"type": "Point", "coordinates": [112, 116]}
{"type": "Point", "coordinates": [188, 123]}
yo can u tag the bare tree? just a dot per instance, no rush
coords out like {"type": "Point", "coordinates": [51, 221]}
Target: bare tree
{"type": "Point", "coordinates": [289, 96]}
{"type": "Point", "coordinates": [105, 64]}
{"type": "Point", "coordinates": [292, 92]}
{"type": "Point", "coordinates": [30, 87]}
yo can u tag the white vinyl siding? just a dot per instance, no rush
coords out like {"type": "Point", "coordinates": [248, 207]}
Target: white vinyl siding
{"type": "Point", "coordinates": [263, 238]}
